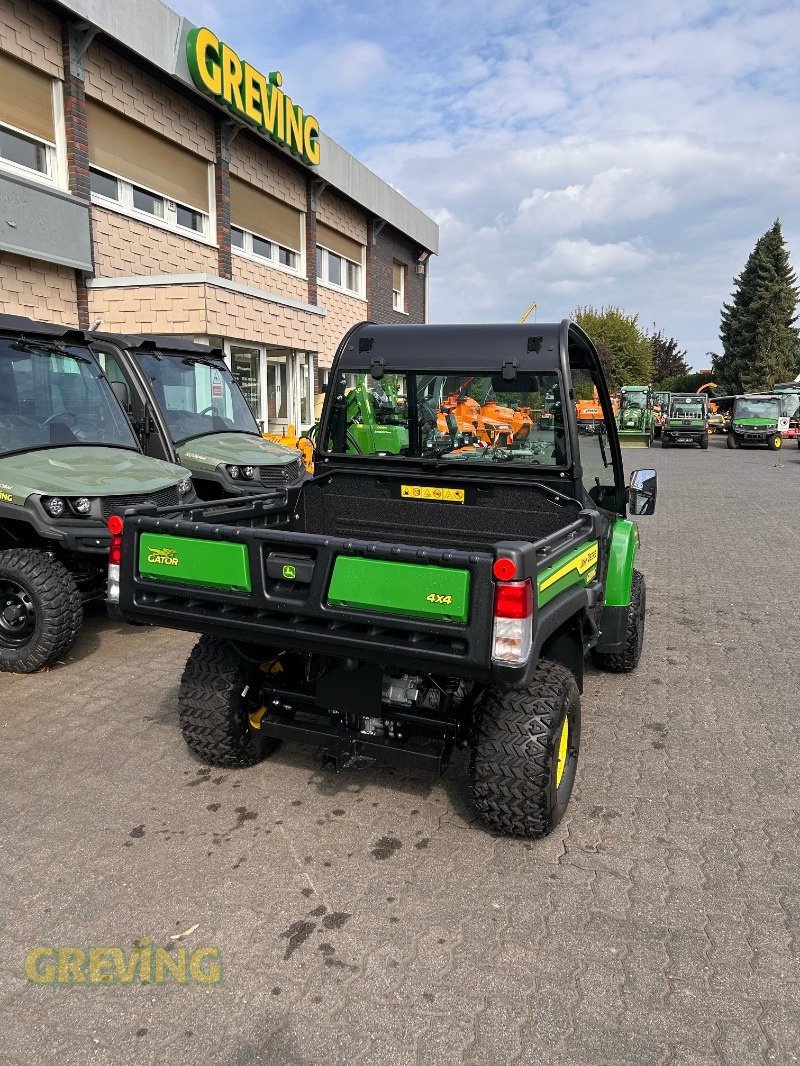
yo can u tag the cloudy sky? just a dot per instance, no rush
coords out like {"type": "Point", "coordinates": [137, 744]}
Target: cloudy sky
{"type": "Point", "coordinates": [604, 152]}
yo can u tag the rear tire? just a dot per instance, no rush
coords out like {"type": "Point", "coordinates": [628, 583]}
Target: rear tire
{"type": "Point", "coordinates": [40, 610]}
{"type": "Point", "coordinates": [704, 442]}
{"type": "Point", "coordinates": [626, 661]}
{"type": "Point", "coordinates": [524, 757]}
{"type": "Point", "coordinates": [775, 442]}
{"type": "Point", "coordinates": [214, 714]}
{"type": "Point", "coordinates": [664, 442]}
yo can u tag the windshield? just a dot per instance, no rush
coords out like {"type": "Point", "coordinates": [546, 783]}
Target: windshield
{"type": "Point", "coordinates": [52, 395]}
{"type": "Point", "coordinates": [756, 407]}
{"type": "Point", "coordinates": [461, 418]}
{"type": "Point", "coordinates": [637, 399]}
{"type": "Point", "coordinates": [688, 409]}
{"type": "Point", "coordinates": [196, 397]}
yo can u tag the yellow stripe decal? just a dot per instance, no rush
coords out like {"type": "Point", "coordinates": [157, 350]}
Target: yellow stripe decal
{"type": "Point", "coordinates": [582, 563]}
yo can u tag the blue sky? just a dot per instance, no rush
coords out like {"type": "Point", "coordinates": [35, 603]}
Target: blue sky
{"type": "Point", "coordinates": [601, 152]}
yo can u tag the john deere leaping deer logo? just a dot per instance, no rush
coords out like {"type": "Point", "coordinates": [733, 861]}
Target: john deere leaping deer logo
{"type": "Point", "coordinates": [163, 556]}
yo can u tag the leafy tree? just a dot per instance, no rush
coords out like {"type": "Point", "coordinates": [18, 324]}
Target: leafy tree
{"type": "Point", "coordinates": [759, 339]}
{"type": "Point", "coordinates": [625, 351]}
{"type": "Point", "coordinates": [687, 382]}
{"type": "Point", "coordinates": [668, 359]}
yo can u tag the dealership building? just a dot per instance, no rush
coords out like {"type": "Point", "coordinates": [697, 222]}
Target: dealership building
{"type": "Point", "coordinates": [153, 180]}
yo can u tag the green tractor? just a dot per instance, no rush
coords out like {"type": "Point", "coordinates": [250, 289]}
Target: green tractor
{"type": "Point", "coordinates": [635, 416]}
{"type": "Point", "coordinates": [376, 420]}
{"type": "Point", "coordinates": [69, 461]}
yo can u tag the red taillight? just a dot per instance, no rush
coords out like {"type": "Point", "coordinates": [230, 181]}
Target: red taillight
{"type": "Point", "coordinates": [115, 525]}
{"type": "Point", "coordinates": [504, 569]}
{"type": "Point", "coordinates": [514, 599]}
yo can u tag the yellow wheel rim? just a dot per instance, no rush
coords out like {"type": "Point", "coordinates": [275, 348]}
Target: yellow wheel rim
{"type": "Point", "coordinates": [563, 745]}
{"type": "Point", "coordinates": [778, 443]}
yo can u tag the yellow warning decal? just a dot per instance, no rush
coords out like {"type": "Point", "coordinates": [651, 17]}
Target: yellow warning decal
{"type": "Point", "coordinates": [431, 492]}
{"type": "Point", "coordinates": [582, 563]}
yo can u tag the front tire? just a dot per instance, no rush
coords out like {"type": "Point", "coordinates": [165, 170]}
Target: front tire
{"type": "Point", "coordinates": [214, 712]}
{"type": "Point", "coordinates": [775, 442]}
{"type": "Point", "coordinates": [704, 442]}
{"type": "Point", "coordinates": [525, 753]}
{"type": "Point", "coordinates": [626, 661]}
{"type": "Point", "coordinates": [40, 610]}
{"type": "Point", "coordinates": [732, 442]}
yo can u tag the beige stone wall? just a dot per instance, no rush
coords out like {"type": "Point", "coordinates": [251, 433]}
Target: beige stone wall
{"type": "Point", "coordinates": [334, 211]}
{"type": "Point", "coordinates": [343, 312]}
{"type": "Point", "coordinates": [32, 33]}
{"type": "Point", "coordinates": [202, 309]}
{"type": "Point", "coordinates": [261, 276]}
{"type": "Point", "coordinates": [126, 247]}
{"type": "Point", "coordinates": [37, 289]}
{"type": "Point", "coordinates": [255, 163]}
{"type": "Point", "coordinates": [118, 83]}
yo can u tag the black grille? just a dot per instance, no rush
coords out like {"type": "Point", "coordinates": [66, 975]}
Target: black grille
{"type": "Point", "coordinates": [117, 504]}
{"type": "Point", "coordinates": [281, 475]}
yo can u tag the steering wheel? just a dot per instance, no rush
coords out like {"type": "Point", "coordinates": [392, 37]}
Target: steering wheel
{"type": "Point", "coordinates": [207, 410]}
{"type": "Point", "coordinates": [57, 417]}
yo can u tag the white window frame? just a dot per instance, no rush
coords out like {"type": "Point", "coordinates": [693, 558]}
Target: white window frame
{"type": "Point", "coordinates": [124, 206]}
{"type": "Point", "coordinates": [401, 292]}
{"type": "Point", "coordinates": [51, 177]}
{"type": "Point", "coordinates": [360, 292]}
{"type": "Point", "coordinates": [256, 257]}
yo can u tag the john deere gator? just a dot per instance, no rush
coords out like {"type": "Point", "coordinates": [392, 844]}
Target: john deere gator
{"type": "Point", "coordinates": [756, 420]}
{"type": "Point", "coordinates": [635, 416]}
{"type": "Point", "coordinates": [418, 594]}
{"type": "Point", "coordinates": [686, 420]}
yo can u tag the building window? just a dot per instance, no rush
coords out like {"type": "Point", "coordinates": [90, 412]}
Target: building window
{"type": "Point", "coordinates": [265, 228]}
{"type": "Point", "coordinates": [260, 248]}
{"type": "Point", "coordinates": [24, 151]}
{"type": "Point", "coordinates": [111, 190]}
{"type": "Point", "coordinates": [237, 237]}
{"type": "Point", "coordinates": [335, 270]}
{"type": "Point", "coordinates": [399, 287]}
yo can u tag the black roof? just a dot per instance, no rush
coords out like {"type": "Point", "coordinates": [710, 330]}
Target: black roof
{"type": "Point", "coordinates": [154, 340]}
{"type": "Point", "coordinates": [533, 345]}
{"type": "Point", "coordinates": [19, 324]}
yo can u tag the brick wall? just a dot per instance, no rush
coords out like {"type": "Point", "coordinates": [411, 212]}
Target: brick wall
{"type": "Point", "coordinates": [204, 309]}
{"type": "Point", "coordinates": [343, 312]}
{"type": "Point", "coordinates": [254, 162]}
{"type": "Point", "coordinates": [390, 246]}
{"type": "Point", "coordinates": [246, 272]}
{"type": "Point", "coordinates": [117, 83]}
{"type": "Point", "coordinates": [38, 290]}
{"type": "Point", "coordinates": [334, 211]}
{"type": "Point", "coordinates": [125, 247]}
{"type": "Point", "coordinates": [32, 33]}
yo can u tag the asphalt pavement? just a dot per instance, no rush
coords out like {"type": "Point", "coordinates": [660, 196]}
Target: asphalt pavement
{"type": "Point", "coordinates": [366, 917]}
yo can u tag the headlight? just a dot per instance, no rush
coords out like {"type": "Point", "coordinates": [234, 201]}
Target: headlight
{"type": "Point", "coordinates": [233, 471]}
{"type": "Point", "coordinates": [55, 506]}
{"type": "Point", "coordinates": [82, 505]}
{"type": "Point", "coordinates": [249, 472]}
{"type": "Point", "coordinates": [184, 485]}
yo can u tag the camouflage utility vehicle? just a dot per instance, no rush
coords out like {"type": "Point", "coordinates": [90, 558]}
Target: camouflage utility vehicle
{"type": "Point", "coordinates": [187, 408]}
{"type": "Point", "coordinates": [432, 592]}
{"type": "Point", "coordinates": [68, 461]}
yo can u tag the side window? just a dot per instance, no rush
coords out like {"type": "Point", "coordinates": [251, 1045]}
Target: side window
{"type": "Point", "coordinates": [596, 456]}
{"type": "Point", "coordinates": [113, 372]}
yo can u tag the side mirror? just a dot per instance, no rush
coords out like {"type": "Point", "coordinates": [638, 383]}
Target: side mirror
{"type": "Point", "coordinates": [120, 390]}
{"type": "Point", "coordinates": [642, 492]}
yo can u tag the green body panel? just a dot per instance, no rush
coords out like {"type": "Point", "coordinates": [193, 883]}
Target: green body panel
{"type": "Point", "coordinates": [376, 438]}
{"type": "Point", "coordinates": [400, 588]}
{"type": "Point", "coordinates": [755, 423]}
{"type": "Point", "coordinates": [579, 567]}
{"type": "Point", "coordinates": [621, 558]}
{"type": "Point", "coordinates": [681, 423]}
{"type": "Point", "coordinates": [85, 471]}
{"type": "Point", "coordinates": [204, 454]}
{"type": "Point", "coordinates": [212, 563]}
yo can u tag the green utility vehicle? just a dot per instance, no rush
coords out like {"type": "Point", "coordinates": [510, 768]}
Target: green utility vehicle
{"type": "Point", "coordinates": [789, 394]}
{"type": "Point", "coordinates": [757, 420]}
{"type": "Point", "coordinates": [686, 421]}
{"type": "Point", "coordinates": [422, 595]}
{"type": "Point", "coordinates": [635, 416]}
{"type": "Point", "coordinates": [187, 408]}
{"type": "Point", "coordinates": [68, 461]}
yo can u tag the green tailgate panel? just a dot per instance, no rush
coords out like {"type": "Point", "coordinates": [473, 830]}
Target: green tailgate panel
{"type": "Point", "coordinates": [400, 588]}
{"type": "Point", "coordinates": [215, 564]}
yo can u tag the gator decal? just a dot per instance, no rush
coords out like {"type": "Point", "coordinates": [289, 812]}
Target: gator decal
{"type": "Point", "coordinates": [624, 542]}
{"type": "Point", "coordinates": [577, 568]}
{"type": "Point", "coordinates": [400, 588]}
{"type": "Point", "coordinates": [431, 492]}
{"type": "Point", "coordinates": [211, 563]}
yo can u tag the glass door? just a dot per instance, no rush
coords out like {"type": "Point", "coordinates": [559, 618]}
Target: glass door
{"type": "Point", "coordinates": [246, 371]}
